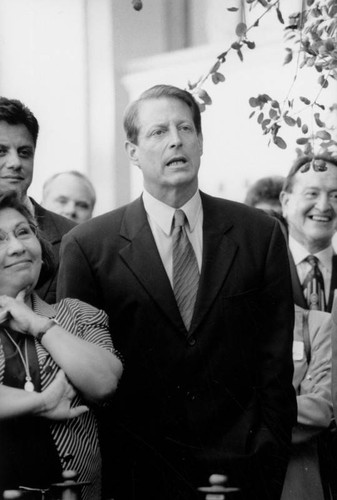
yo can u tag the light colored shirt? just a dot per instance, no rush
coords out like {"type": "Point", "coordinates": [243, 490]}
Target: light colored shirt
{"type": "Point", "coordinates": [324, 257]}
{"type": "Point", "coordinates": [160, 217]}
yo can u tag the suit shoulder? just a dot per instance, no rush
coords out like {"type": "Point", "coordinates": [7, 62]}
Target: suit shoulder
{"type": "Point", "coordinates": [53, 225]}
{"type": "Point", "coordinates": [237, 211]}
{"type": "Point", "coordinates": [106, 223]}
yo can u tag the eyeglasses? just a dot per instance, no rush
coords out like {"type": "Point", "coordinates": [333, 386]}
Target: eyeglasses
{"type": "Point", "coordinates": [23, 232]}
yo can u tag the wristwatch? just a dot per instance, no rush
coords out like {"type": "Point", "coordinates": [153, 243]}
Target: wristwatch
{"type": "Point", "coordinates": [49, 325]}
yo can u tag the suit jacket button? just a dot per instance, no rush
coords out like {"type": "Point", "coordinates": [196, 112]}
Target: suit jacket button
{"type": "Point", "coordinates": [191, 341]}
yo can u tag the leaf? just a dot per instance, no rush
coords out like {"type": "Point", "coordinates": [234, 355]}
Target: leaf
{"type": "Point", "coordinates": [302, 140]}
{"type": "Point", "coordinates": [215, 67]}
{"type": "Point", "coordinates": [318, 120]}
{"type": "Point", "coordinates": [289, 121]}
{"type": "Point", "coordinates": [305, 100]}
{"type": "Point", "coordinates": [323, 81]}
{"type": "Point", "coordinates": [253, 102]}
{"type": "Point", "coordinates": [137, 4]}
{"type": "Point", "coordinates": [251, 114]}
{"type": "Point", "coordinates": [239, 53]}
{"type": "Point", "coordinates": [236, 46]}
{"type": "Point", "coordinates": [324, 135]}
{"type": "Point", "coordinates": [280, 142]}
{"type": "Point", "coordinates": [260, 118]}
{"type": "Point", "coordinates": [275, 104]}
{"type": "Point", "coordinates": [263, 2]}
{"type": "Point", "coordinates": [319, 105]}
{"type": "Point", "coordinates": [250, 45]}
{"type": "Point", "coordinates": [204, 96]}
{"type": "Point", "coordinates": [233, 9]}
{"type": "Point", "coordinates": [265, 123]}
{"type": "Point", "coordinates": [279, 15]}
{"type": "Point", "coordinates": [310, 2]}
{"type": "Point", "coordinates": [304, 128]}
{"type": "Point", "coordinates": [241, 29]}
{"type": "Point", "coordinates": [298, 121]}
{"type": "Point", "coordinates": [218, 77]}
{"type": "Point", "coordinates": [289, 56]}
{"type": "Point", "coordinates": [273, 113]}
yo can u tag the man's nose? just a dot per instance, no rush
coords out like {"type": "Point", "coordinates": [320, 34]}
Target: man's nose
{"type": "Point", "coordinates": [70, 210]}
{"type": "Point", "coordinates": [175, 139]}
{"type": "Point", "coordinates": [13, 160]}
{"type": "Point", "coordinates": [323, 202]}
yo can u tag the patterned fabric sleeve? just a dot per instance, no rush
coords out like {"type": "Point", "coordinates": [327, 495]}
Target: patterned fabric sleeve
{"type": "Point", "coordinates": [85, 321]}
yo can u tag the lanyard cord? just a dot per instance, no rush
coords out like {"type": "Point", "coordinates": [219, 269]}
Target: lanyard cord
{"type": "Point", "coordinates": [29, 386]}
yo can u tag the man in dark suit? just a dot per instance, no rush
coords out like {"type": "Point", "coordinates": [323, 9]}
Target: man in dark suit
{"type": "Point", "coordinates": [18, 136]}
{"type": "Point", "coordinates": [201, 394]}
{"type": "Point", "coordinates": [309, 205]}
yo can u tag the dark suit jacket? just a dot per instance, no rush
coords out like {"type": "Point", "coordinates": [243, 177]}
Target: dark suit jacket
{"type": "Point", "coordinates": [297, 287]}
{"type": "Point", "coordinates": [216, 398]}
{"type": "Point", "coordinates": [53, 226]}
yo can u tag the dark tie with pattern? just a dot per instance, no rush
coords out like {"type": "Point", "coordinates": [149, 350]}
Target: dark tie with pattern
{"type": "Point", "coordinates": [313, 286]}
{"type": "Point", "coordinates": [185, 269]}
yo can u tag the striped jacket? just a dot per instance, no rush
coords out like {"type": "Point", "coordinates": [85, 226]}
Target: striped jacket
{"type": "Point", "coordinates": [76, 440]}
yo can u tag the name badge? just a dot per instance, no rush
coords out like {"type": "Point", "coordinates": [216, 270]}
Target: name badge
{"type": "Point", "coordinates": [298, 350]}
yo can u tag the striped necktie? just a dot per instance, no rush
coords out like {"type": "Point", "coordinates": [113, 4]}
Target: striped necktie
{"type": "Point", "coordinates": [185, 269]}
{"type": "Point", "coordinates": [313, 286]}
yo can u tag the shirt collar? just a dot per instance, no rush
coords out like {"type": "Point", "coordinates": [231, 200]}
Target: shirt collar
{"type": "Point", "coordinates": [163, 214]}
{"type": "Point", "coordinates": [299, 253]}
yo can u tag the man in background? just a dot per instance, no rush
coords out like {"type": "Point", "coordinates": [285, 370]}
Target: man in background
{"type": "Point", "coordinates": [202, 313]}
{"type": "Point", "coordinates": [309, 205]}
{"type": "Point", "coordinates": [70, 194]}
{"type": "Point", "coordinates": [265, 194]}
{"type": "Point", "coordinates": [18, 136]}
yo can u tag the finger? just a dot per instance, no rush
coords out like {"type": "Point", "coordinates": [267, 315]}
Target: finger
{"type": "Point", "coordinates": [79, 410]}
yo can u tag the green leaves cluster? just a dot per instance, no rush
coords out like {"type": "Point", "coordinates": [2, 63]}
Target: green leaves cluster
{"type": "Point", "coordinates": [311, 38]}
{"type": "Point", "coordinates": [270, 117]}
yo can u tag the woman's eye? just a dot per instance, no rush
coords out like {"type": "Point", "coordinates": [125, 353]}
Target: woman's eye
{"type": "Point", "coordinates": [23, 232]}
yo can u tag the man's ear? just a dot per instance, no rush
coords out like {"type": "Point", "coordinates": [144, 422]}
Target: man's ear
{"type": "Point", "coordinates": [132, 152]}
{"type": "Point", "coordinates": [201, 143]}
{"type": "Point", "coordinates": [284, 198]}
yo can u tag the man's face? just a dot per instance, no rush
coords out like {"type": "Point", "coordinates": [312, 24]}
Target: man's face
{"type": "Point", "coordinates": [69, 196]}
{"type": "Point", "coordinates": [16, 158]}
{"type": "Point", "coordinates": [169, 149]}
{"type": "Point", "coordinates": [311, 208]}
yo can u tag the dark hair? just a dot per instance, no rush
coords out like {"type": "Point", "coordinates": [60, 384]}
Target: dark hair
{"type": "Point", "coordinates": [15, 112]}
{"type": "Point", "coordinates": [10, 199]}
{"type": "Point", "coordinates": [317, 161]}
{"type": "Point", "coordinates": [131, 125]}
{"type": "Point", "coordinates": [266, 189]}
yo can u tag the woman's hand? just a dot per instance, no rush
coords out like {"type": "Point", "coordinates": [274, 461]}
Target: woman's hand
{"type": "Point", "coordinates": [21, 317]}
{"type": "Point", "coordinates": [57, 398]}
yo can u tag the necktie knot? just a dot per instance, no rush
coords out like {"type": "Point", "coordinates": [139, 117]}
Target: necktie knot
{"type": "Point", "coordinates": [179, 218]}
{"type": "Point", "coordinates": [312, 260]}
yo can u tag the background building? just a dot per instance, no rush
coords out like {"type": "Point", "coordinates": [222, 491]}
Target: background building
{"type": "Point", "coordinates": [77, 64]}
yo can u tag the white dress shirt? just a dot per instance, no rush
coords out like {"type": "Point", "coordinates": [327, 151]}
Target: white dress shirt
{"type": "Point", "coordinates": [160, 217]}
{"type": "Point", "coordinates": [324, 257]}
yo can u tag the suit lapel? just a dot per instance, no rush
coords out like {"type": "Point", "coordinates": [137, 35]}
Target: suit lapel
{"type": "Point", "coordinates": [333, 285]}
{"type": "Point", "coordinates": [143, 259]}
{"type": "Point", "coordinates": [218, 254]}
{"type": "Point", "coordinates": [297, 287]}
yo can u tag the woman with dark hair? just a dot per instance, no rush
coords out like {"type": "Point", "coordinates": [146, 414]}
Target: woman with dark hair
{"type": "Point", "coordinates": [55, 361]}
